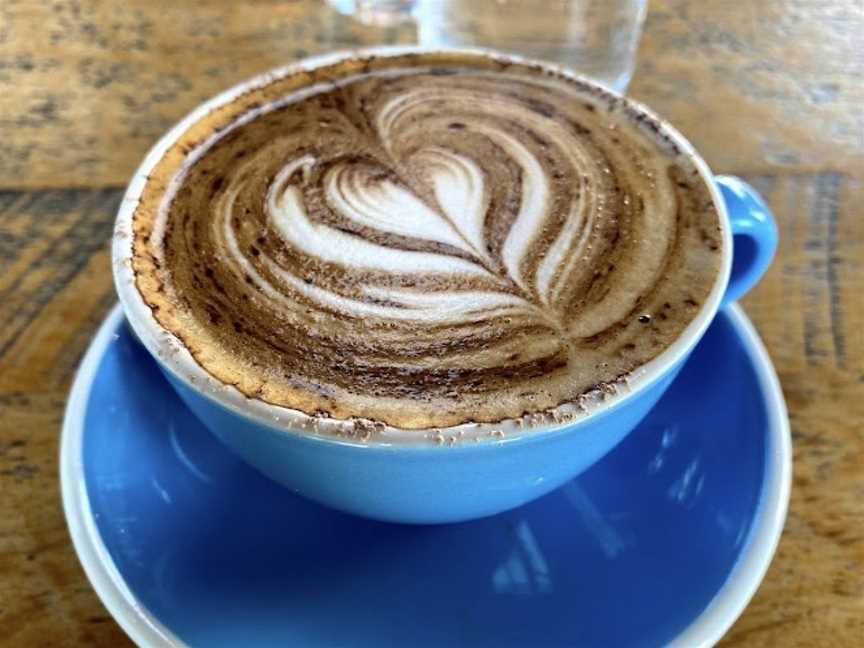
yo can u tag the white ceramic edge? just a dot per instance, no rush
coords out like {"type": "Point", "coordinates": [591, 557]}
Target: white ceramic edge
{"type": "Point", "coordinates": [141, 626]}
{"type": "Point", "coordinates": [173, 354]}
{"type": "Point", "coordinates": [710, 626]}
{"type": "Point", "coordinates": [706, 630]}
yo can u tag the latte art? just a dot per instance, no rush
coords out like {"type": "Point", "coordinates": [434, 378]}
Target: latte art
{"type": "Point", "coordinates": [425, 243]}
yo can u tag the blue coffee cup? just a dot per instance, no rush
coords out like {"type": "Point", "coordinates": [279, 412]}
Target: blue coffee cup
{"type": "Point", "coordinates": [434, 476]}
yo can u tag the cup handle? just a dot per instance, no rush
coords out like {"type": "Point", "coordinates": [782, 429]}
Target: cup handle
{"type": "Point", "coordinates": [754, 233]}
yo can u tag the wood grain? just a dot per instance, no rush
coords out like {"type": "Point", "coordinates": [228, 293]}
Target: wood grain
{"type": "Point", "coordinates": [773, 90]}
{"type": "Point", "coordinates": [91, 85]}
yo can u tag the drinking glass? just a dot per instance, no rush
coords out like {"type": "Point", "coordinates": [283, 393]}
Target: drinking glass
{"type": "Point", "coordinates": [598, 38]}
{"type": "Point", "coordinates": [595, 37]}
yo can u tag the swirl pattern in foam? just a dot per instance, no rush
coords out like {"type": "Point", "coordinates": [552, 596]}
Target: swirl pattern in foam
{"type": "Point", "coordinates": [425, 240]}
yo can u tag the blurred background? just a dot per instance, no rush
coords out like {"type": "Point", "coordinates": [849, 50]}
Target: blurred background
{"type": "Point", "coordinates": [770, 90]}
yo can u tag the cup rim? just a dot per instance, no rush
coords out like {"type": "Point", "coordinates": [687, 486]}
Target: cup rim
{"type": "Point", "coordinates": [173, 355]}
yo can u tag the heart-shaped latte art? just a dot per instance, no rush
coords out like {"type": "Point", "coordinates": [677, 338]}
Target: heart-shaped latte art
{"type": "Point", "coordinates": [425, 248]}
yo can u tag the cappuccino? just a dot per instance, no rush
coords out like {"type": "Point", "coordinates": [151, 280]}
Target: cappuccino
{"type": "Point", "coordinates": [425, 240]}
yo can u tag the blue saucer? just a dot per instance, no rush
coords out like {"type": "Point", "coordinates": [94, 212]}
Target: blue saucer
{"type": "Point", "coordinates": [664, 541]}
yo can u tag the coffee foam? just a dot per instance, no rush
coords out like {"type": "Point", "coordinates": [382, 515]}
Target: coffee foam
{"type": "Point", "coordinates": [425, 242]}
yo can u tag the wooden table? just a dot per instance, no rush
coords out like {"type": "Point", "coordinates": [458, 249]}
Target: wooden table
{"type": "Point", "coordinates": [771, 90]}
